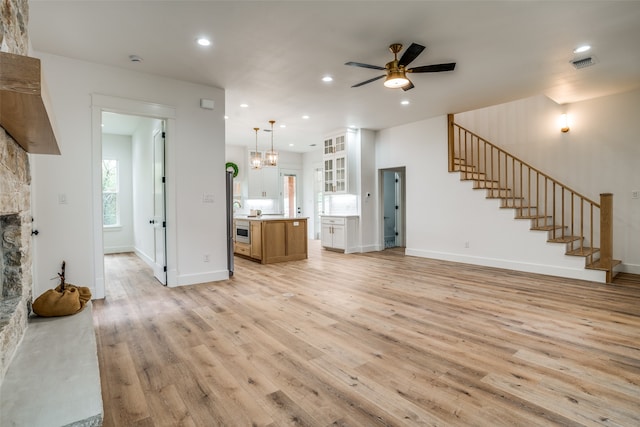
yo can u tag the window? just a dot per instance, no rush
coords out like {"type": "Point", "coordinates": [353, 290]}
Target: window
{"type": "Point", "coordinates": [110, 189]}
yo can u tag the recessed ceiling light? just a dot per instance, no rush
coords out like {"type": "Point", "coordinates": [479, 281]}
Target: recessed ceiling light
{"type": "Point", "coordinates": [405, 102]}
{"type": "Point", "coordinates": [283, 126]}
{"type": "Point", "coordinates": [290, 145]}
{"type": "Point", "coordinates": [244, 105]}
{"type": "Point", "coordinates": [226, 117]}
{"type": "Point", "coordinates": [582, 49]}
{"type": "Point", "coordinates": [203, 41]}
{"type": "Point", "coordinates": [327, 79]}
{"type": "Point", "coordinates": [305, 117]}
{"type": "Point", "coordinates": [135, 58]}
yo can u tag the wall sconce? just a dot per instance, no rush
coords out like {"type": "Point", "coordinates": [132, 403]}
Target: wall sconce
{"type": "Point", "coordinates": [564, 123]}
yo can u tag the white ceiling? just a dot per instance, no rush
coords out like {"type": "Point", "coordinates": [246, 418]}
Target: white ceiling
{"type": "Point", "coordinates": [272, 55]}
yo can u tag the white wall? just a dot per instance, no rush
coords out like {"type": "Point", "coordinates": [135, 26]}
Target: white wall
{"type": "Point", "coordinates": [370, 237]}
{"type": "Point", "coordinates": [443, 213]}
{"type": "Point", "coordinates": [120, 238]}
{"type": "Point", "coordinates": [598, 155]}
{"type": "Point", "coordinates": [196, 166]}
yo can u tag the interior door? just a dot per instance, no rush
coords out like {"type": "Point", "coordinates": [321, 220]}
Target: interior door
{"type": "Point", "coordinates": [393, 227]}
{"type": "Point", "coordinates": [390, 209]}
{"type": "Point", "coordinates": [159, 211]}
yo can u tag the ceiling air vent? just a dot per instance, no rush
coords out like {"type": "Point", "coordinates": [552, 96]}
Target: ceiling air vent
{"type": "Point", "coordinates": [583, 62]}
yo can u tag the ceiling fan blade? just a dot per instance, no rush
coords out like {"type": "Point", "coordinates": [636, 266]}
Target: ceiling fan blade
{"type": "Point", "coordinates": [359, 64]}
{"type": "Point", "coordinates": [369, 81]}
{"type": "Point", "coordinates": [410, 54]}
{"type": "Point", "coordinates": [435, 68]}
{"type": "Point", "coordinates": [408, 87]}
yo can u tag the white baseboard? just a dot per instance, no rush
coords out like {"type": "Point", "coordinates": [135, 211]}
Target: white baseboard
{"type": "Point", "coordinates": [628, 268]}
{"type": "Point", "coordinates": [194, 279]}
{"type": "Point", "coordinates": [117, 249]}
{"type": "Point", "coordinates": [371, 248]}
{"type": "Point", "coordinates": [552, 270]}
{"type": "Point", "coordinates": [148, 260]}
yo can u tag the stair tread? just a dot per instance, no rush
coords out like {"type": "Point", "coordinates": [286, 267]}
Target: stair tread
{"type": "Point", "coordinates": [597, 265]}
{"type": "Point", "coordinates": [547, 227]}
{"type": "Point", "coordinates": [517, 207]}
{"type": "Point", "coordinates": [532, 216]}
{"type": "Point", "coordinates": [564, 239]}
{"type": "Point", "coordinates": [505, 197]}
{"type": "Point", "coordinates": [584, 251]}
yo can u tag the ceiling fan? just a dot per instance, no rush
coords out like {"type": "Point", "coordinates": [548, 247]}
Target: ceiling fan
{"type": "Point", "coordinates": [396, 71]}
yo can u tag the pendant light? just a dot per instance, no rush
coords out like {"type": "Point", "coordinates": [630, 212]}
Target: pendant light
{"type": "Point", "coordinates": [271, 158]}
{"type": "Point", "coordinates": [256, 158]}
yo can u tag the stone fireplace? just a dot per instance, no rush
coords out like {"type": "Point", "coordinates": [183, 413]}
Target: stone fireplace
{"type": "Point", "coordinates": [15, 247]}
{"type": "Point", "coordinates": [15, 208]}
{"type": "Point", "coordinates": [10, 258]}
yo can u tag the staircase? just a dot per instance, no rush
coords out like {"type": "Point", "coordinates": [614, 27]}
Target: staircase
{"type": "Point", "coordinates": [584, 226]}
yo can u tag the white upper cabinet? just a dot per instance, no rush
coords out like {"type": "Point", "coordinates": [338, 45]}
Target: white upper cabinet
{"type": "Point", "coordinates": [338, 163]}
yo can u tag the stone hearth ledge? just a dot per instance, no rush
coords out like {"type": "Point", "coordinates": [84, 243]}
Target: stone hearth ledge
{"type": "Point", "coordinates": [54, 378]}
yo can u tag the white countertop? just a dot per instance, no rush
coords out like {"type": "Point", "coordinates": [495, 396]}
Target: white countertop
{"type": "Point", "coordinates": [269, 217]}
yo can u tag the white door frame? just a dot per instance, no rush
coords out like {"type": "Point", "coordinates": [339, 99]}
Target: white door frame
{"type": "Point", "coordinates": [401, 239]}
{"type": "Point", "coordinates": [298, 175]}
{"type": "Point", "coordinates": [159, 218]}
{"type": "Point", "coordinates": [99, 104]}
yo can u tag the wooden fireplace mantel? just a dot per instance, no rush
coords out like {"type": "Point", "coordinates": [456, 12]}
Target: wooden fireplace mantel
{"type": "Point", "coordinates": [24, 112]}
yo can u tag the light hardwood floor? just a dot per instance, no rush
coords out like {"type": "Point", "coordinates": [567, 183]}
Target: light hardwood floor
{"type": "Point", "coordinates": [365, 340]}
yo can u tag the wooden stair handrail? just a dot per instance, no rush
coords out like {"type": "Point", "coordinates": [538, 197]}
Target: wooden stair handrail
{"type": "Point", "coordinates": [518, 160]}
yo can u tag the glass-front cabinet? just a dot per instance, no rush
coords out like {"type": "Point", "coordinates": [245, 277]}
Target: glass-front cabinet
{"type": "Point", "coordinates": [336, 178]}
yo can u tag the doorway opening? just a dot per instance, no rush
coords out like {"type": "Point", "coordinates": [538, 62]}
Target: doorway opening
{"type": "Point", "coordinates": [393, 207]}
{"type": "Point", "coordinates": [133, 189]}
{"type": "Point", "coordinates": [290, 194]}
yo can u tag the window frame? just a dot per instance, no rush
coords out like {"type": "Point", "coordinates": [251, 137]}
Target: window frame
{"type": "Point", "coordinates": [116, 191]}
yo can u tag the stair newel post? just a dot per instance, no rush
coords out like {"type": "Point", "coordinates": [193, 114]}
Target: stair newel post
{"type": "Point", "coordinates": [606, 233]}
{"type": "Point", "coordinates": [451, 142]}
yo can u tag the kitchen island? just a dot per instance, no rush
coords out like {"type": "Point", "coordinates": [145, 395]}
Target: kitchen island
{"type": "Point", "coordinates": [273, 239]}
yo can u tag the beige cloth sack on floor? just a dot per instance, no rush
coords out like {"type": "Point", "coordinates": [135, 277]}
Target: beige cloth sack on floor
{"type": "Point", "coordinates": [62, 301]}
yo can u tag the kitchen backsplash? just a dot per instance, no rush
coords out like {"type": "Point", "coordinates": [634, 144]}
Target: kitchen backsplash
{"type": "Point", "coordinates": [267, 206]}
{"type": "Point", "coordinates": [341, 204]}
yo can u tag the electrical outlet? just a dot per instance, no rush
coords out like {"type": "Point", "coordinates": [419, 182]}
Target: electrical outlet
{"type": "Point", "coordinates": [635, 194]}
{"type": "Point", "coordinates": [466, 244]}
{"type": "Point", "coordinates": [205, 257]}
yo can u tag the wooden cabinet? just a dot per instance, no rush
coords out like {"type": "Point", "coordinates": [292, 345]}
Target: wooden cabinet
{"type": "Point", "coordinates": [264, 183]}
{"type": "Point", "coordinates": [338, 163]}
{"type": "Point", "coordinates": [256, 239]}
{"type": "Point", "coordinates": [339, 233]}
{"type": "Point", "coordinates": [284, 240]}
{"type": "Point", "coordinates": [242, 248]}
{"type": "Point", "coordinates": [276, 240]}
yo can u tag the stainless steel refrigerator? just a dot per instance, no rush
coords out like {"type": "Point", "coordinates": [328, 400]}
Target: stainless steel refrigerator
{"type": "Point", "coordinates": [230, 222]}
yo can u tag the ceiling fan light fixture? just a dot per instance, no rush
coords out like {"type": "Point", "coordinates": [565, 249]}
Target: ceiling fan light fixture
{"type": "Point", "coordinates": [396, 79]}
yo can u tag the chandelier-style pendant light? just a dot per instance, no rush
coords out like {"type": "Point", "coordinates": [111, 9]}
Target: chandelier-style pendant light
{"type": "Point", "coordinates": [256, 158]}
{"type": "Point", "coordinates": [271, 158]}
